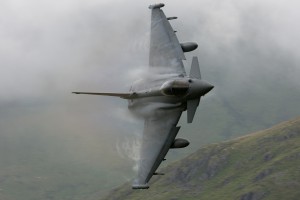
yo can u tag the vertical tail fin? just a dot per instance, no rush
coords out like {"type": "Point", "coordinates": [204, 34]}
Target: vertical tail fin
{"type": "Point", "coordinates": [121, 95]}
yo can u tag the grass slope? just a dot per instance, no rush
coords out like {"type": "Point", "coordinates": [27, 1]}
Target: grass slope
{"type": "Point", "coordinates": [262, 165]}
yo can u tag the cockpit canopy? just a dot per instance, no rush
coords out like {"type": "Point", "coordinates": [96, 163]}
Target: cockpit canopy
{"type": "Point", "coordinates": [175, 88]}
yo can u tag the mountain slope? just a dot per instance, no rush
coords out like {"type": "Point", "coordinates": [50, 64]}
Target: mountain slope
{"type": "Point", "coordinates": [262, 165]}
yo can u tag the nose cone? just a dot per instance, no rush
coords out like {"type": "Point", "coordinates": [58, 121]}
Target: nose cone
{"type": "Point", "coordinates": [208, 87]}
{"type": "Point", "coordinates": [199, 88]}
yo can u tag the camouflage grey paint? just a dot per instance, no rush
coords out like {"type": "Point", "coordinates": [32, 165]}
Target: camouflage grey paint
{"type": "Point", "coordinates": [161, 96]}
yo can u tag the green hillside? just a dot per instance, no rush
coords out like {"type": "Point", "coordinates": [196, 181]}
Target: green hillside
{"type": "Point", "coordinates": [262, 165]}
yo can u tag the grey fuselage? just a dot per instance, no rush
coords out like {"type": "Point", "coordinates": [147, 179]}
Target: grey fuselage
{"type": "Point", "coordinates": [169, 90]}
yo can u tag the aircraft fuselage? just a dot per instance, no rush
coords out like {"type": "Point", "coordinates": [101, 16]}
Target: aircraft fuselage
{"type": "Point", "coordinates": [171, 92]}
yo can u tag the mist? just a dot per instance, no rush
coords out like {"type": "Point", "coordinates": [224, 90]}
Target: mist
{"type": "Point", "coordinates": [49, 49]}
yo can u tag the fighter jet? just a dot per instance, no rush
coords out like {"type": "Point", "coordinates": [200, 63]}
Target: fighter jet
{"type": "Point", "coordinates": [161, 97]}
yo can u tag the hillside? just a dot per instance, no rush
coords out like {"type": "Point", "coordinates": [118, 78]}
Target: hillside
{"type": "Point", "coordinates": [261, 165]}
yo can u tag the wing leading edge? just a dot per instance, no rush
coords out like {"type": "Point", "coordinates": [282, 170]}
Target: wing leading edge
{"type": "Point", "coordinates": [166, 53]}
{"type": "Point", "coordinates": [160, 131]}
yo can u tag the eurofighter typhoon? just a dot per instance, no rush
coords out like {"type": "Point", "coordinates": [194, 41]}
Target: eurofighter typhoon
{"type": "Point", "coordinates": [164, 95]}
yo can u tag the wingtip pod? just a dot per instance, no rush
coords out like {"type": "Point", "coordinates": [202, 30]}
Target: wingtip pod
{"type": "Point", "coordinates": [135, 187]}
{"type": "Point", "coordinates": [159, 5]}
{"type": "Point", "coordinates": [171, 18]}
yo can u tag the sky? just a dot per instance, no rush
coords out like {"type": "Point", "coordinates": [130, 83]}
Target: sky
{"type": "Point", "coordinates": [51, 48]}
